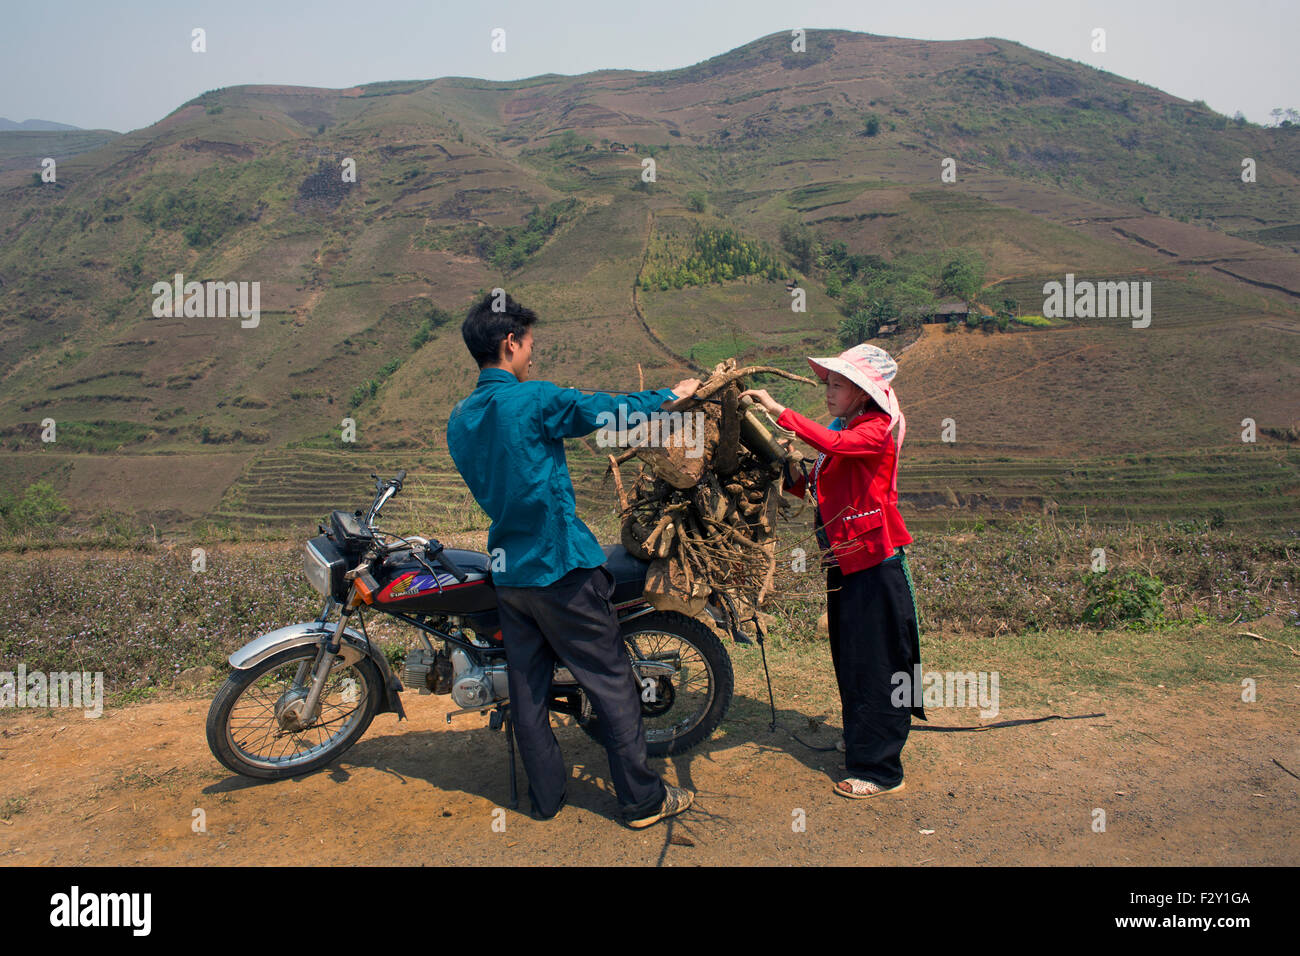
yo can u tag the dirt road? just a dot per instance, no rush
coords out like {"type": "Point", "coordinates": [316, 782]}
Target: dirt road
{"type": "Point", "coordinates": [1184, 776]}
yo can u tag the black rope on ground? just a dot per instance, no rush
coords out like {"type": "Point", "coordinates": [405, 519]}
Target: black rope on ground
{"type": "Point", "coordinates": [940, 728]}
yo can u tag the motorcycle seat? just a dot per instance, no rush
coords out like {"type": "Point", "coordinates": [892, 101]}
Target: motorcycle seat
{"type": "Point", "coordinates": [629, 573]}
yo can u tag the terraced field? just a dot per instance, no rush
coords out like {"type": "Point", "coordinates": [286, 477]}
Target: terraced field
{"type": "Point", "coordinates": [295, 488]}
{"type": "Point", "coordinates": [1255, 488]}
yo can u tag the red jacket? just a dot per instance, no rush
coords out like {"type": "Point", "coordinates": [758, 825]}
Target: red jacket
{"type": "Point", "coordinates": [854, 495]}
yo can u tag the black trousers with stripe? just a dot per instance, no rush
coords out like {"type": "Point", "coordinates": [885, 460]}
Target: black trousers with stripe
{"type": "Point", "coordinates": [874, 635]}
{"type": "Point", "coordinates": [573, 620]}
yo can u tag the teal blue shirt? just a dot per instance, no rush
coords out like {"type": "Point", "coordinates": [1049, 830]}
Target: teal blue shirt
{"type": "Point", "coordinates": [507, 440]}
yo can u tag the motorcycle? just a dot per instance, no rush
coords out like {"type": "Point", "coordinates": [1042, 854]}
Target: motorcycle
{"type": "Point", "coordinates": [299, 696]}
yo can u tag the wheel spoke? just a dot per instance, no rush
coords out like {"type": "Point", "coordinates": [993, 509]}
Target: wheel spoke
{"type": "Point", "coordinates": [255, 733]}
{"type": "Point", "coordinates": [694, 684]}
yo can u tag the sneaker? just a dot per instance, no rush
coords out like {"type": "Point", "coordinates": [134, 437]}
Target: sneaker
{"type": "Point", "coordinates": [676, 800]}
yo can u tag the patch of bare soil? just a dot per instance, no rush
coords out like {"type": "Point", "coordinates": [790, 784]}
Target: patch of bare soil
{"type": "Point", "coordinates": [1186, 776]}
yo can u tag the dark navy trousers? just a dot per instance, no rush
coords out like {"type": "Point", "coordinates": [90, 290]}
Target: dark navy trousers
{"type": "Point", "coordinates": [573, 621]}
{"type": "Point", "coordinates": [874, 635]}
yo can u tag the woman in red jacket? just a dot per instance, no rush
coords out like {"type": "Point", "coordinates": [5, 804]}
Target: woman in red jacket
{"type": "Point", "coordinates": [871, 609]}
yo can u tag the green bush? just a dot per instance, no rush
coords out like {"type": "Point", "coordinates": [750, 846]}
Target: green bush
{"type": "Point", "coordinates": [436, 318]}
{"type": "Point", "coordinates": [39, 508]}
{"type": "Point", "coordinates": [1128, 599]}
{"type": "Point", "coordinates": [508, 249]}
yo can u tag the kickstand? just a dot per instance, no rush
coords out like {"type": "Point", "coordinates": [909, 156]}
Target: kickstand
{"type": "Point", "coordinates": [510, 748]}
{"type": "Point", "coordinates": [762, 646]}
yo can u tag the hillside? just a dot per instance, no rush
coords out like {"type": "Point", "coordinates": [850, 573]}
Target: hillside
{"type": "Point", "coordinates": [1060, 169]}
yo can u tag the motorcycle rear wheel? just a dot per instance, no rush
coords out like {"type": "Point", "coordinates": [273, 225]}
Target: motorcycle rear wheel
{"type": "Point", "coordinates": [246, 736]}
{"type": "Point", "coordinates": [685, 709]}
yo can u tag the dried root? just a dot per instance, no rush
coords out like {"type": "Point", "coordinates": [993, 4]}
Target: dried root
{"type": "Point", "coordinates": [704, 507]}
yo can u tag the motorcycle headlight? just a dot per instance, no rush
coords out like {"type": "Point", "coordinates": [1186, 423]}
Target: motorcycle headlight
{"type": "Point", "coordinates": [323, 566]}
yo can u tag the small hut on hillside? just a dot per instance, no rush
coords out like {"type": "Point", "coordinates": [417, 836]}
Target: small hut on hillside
{"type": "Point", "coordinates": [946, 311]}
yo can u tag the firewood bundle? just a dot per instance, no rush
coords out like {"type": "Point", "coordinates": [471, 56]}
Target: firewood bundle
{"type": "Point", "coordinates": [704, 506]}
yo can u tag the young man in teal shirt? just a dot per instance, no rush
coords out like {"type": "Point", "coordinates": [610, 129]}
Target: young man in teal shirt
{"type": "Point", "coordinates": [553, 591]}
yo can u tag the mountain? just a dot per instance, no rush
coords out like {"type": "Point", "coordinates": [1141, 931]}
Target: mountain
{"type": "Point", "coordinates": [35, 124]}
{"type": "Point", "coordinates": [464, 184]}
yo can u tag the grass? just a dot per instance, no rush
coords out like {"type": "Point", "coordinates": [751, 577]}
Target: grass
{"type": "Point", "coordinates": [1037, 673]}
{"type": "Point", "coordinates": [142, 615]}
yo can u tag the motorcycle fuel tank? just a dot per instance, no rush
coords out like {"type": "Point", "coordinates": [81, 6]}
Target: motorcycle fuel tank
{"type": "Point", "coordinates": [406, 585]}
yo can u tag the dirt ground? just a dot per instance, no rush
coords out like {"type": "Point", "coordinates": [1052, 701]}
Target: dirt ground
{"type": "Point", "coordinates": [1185, 776]}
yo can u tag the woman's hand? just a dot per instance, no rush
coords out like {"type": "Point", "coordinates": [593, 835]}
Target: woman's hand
{"type": "Point", "coordinates": [771, 405]}
{"type": "Point", "coordinates": [795, 454]}
{"type": "Point", "coordinates": [793, 457]}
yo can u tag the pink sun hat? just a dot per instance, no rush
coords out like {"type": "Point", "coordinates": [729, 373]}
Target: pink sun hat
{"type": "Point", "coordinates": [870, 368]}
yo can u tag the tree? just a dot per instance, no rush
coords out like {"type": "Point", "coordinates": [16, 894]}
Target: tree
{"type": "Point", "coordinates": [857, 328]}
{"type": "Point", "coordinates": [696, 201]}
{"type": "Point", "coordinates": [872, 125]}
{"type": "Point", "coordinates": [797, 239]}
{"type": "Point", "coordinates": [963, 276]}
{"type": "Point", "coordinates": [855, 297]}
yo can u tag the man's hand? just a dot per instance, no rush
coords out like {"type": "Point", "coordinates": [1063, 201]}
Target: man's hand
{"type": "Point", "coordinates": [759, 395]}
{"type": "Point", "coordinates": [683, 390]}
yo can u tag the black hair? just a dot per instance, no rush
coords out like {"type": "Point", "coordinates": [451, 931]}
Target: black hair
{"type": "Point", "coordinates": [485, 328]}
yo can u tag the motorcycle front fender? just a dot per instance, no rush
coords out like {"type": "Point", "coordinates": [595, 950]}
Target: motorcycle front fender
{"type": "Point", "coordinates": [352, 648]}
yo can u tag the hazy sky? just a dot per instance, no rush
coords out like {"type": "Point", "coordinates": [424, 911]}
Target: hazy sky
{"type": "Point", "coordinates": [123, 64]}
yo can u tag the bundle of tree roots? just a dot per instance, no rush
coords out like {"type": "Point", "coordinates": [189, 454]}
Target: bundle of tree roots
{"type": "Point", "coordinates": [704, 505]}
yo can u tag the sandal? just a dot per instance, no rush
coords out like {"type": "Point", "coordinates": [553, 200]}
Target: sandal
{"type": "Point", "coordinates": [855, 788]}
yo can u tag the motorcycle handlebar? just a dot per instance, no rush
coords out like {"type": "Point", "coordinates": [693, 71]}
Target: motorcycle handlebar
{"type": "Point", "coordinates": [435, 551]}
{"type": "Point", "coordinates": [383, 491]}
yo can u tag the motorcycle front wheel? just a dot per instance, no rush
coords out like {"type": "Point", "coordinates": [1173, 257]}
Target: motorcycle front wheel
{"type": "Point", "coordinates": [251, 728]}
{"type": "Point", "coordinates": [685, 697]}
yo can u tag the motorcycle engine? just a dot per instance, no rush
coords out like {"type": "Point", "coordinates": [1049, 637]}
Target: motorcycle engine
{"type": "Point", "coordinates": [426, 672]}
{"type": "Point", "coordinates": [474, 685]}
